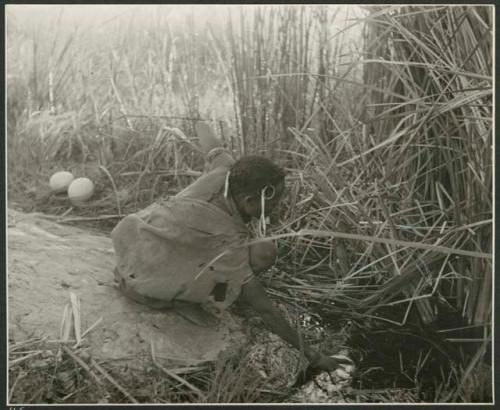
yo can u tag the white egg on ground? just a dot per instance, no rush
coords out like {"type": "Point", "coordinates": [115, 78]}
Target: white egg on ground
{"type": "Point", "coordinates": [80, 190]}
{"type": "Point", "coordinates": [60, 181]}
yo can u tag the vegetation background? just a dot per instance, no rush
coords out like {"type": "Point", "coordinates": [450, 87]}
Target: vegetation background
{"type": "Point", "coordinates": [381, 115]}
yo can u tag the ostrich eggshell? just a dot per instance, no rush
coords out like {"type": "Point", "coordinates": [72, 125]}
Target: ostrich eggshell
{"type": "Point", "coordinates": [60, 181]}
{"type": "Point", "coordinates": [80, 190]}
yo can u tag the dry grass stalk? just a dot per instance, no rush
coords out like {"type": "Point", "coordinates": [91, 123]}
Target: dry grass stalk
{"type": "Point", "coordinates": [82, 364]}
{"type": "Point", "coordinates": [108, 377]}
{"type": "Point", "coordinates": [174, 375]}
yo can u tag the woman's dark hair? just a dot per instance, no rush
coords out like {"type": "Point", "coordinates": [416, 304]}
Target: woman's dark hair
{"type": "Point", "coordinates": [251, 173]}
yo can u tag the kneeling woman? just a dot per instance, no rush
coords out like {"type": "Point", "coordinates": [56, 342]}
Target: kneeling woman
{"type": "Point", "coordinates": [193, 247]}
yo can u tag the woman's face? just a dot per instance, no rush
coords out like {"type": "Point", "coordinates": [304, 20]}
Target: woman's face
{"type": "Point", "coordinates": [251, 205]}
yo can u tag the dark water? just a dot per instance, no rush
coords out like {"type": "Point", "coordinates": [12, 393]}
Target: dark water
{"type": "Point", "coordinates": [414, 355]}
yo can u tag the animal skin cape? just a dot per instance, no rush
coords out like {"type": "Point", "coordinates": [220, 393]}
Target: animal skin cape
{"type": "Point", "coordinates": [180, 248]}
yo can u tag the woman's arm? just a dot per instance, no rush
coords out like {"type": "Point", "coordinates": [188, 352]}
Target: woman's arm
{"type": "Point", "coordinates": [254, 294]}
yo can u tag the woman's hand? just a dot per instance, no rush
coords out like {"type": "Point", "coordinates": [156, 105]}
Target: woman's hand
{"type": "Point", "coordinates": [254, 294]}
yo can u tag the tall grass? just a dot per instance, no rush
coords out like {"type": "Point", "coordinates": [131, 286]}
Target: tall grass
{"type": "Point", "coordinates": [439, 62]}
{"type": "Point", "coordinates": [102, 97]}
{"type": "Point", "coordinates": [387, 140]}
{"type": "Point", "coordinates": [279, 66]}
{"type": "Point", "coordinates": [417, 169]}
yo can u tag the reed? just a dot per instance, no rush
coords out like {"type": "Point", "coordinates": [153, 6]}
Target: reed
{"type": "Point", "coordinates": [278, 65]}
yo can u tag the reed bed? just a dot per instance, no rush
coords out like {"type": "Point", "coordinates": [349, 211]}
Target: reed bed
{"type": "Point", "coordinates": [387, 142]}
{"type": "Point", "coordinates": [417, 168]}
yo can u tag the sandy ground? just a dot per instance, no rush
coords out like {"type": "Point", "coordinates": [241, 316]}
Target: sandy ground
{"type": "Point", "coordinates": [48, 261]}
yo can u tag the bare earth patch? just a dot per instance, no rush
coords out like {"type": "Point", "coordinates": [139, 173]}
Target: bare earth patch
{"type": "Point", "coordinates": [47, 261]}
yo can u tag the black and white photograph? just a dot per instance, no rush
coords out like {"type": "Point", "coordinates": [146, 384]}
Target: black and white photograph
{"type": "Point", "coordinates": [275, 204]}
